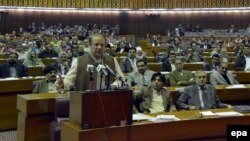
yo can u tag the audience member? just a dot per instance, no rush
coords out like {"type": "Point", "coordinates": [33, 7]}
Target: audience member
{"type": "Point", "coordinates": [180, 77]}
{"type": "Point", "coordinates": [46, 85]}
{"type": "Point", "coordinates": [222, 76]}
{"type": "Point", "coordinates": [32, 60]}
{"type": "Point", "coordinates": [156, 98]}
{"type": "Point", "coordinates": [200, 95]}
{"type": "Point", "coordinates": [12, 68]}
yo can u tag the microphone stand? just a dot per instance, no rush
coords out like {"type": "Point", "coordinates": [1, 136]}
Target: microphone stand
{"type": "Point", "coordinates": [91, 80]}
{"type": "Point", "coordinates": [108, 81]}
{"type": "Point", "coordinates": [100, 88]}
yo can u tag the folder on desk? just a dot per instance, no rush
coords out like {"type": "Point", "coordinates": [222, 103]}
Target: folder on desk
{"type": "Point", "coordinates": [242, 108]}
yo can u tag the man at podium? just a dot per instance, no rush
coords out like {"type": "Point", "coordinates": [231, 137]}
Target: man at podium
{"type": "Point", "coordinates": [91, 71]}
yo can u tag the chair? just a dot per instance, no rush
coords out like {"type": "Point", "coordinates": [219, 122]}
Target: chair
{"type": "Point", "coordinates": [61, 112]}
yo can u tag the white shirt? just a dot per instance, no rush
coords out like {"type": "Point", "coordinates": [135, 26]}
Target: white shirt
{"type": "Point", "coordinates": [157, 103]}
{"type": "Point", "coordinates": [70, 78]}
{"type": "Point", "coordinates": [247, 62]}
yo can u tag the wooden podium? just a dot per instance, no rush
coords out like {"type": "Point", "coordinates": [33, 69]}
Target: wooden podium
{"type": "Point", "coordinates": [96, 109]}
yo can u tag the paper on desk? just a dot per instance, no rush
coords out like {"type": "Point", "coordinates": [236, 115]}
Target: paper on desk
{"type": "Point", "coordinates": [236, 86]}
{"type": "Point", "coordinates": [208, 113]}
{"type": "Point", "coordinates": [228, 114]}
{"type": "Point", "coordinates": [165, 118]}
{"type": "Point", "coordinates": [139, 116]}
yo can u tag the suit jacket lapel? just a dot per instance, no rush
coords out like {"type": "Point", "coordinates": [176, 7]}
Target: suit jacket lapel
{"type": "Point", "coordinates": [164, 98]}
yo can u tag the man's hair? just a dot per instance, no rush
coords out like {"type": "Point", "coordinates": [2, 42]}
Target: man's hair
{"type": "Point", "coordinates": [162, 77]}
{"type": "Point", "coordinates": [62, 53]}
{"type": "Point", "coordinates": [216, 55]}
{"type": "Point", "coordinates": [48, 69]}
{"type": "Point", "coordinates": [132, 48]}
{"type": "Point", "coordinates": [13, 53]}
{"type": "Point", "coordinates": [141, 60]}
{"type": "Point", "coordinates": [199, 71]}
{"type": "Point", "coordinates": [96, 35]}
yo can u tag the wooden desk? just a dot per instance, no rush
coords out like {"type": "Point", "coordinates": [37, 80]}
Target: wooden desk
{"type": "Point", "coordinates": [39, 108]}
{"type": "Point", "coordinates": [36, 111]}
{"type": "Point", "coordinates": [47, 61]}
{"type": "Point", "coordinates": [35, 71]}
{"type": "Point", "coordinates": [224, 94]}
{"type": "Point", "coordinates": [8, 91]}
{"type": "Point", "coordinates": [241, 76]}
{"type": "Point", "coordinates": [190, 128]}
{"type": "Point", "coordinates": [186, 66]}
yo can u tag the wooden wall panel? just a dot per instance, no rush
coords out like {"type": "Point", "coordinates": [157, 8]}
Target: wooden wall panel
{"type": "Point", "coordinates": [128, 3]}
{"type": "Point", "coordinates": [130, 23]}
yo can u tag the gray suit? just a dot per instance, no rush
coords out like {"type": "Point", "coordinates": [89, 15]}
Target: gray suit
{"type": "Point", "coordinates": [136, 78]}
{"type": "Point", "coordinates": [40, 86]}
{"type": "Point", "coordinates": [147, 95]}
{"type": "Point", "coordinates": [190, 97]}
{"type": "Point", "coordinates": [217, 79]}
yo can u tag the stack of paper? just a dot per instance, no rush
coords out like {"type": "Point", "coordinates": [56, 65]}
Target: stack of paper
{"type": "Point", "coordinates": [165, 118]}
{"type": "Point", "coordinates": [208, 113]}
{"type": "Point", "coordinates": [228, 114]}
{"type": "Point", "coordinates": [139, 117]}
{"type": "Point", "coordinates": [236, 86]}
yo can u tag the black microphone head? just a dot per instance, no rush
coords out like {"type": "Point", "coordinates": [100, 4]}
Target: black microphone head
{"type": "Point", "coordinates": [133, 83]}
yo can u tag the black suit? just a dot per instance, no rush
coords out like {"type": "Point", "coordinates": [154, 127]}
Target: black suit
{"type": "Point", "coordinates": [5, 70]}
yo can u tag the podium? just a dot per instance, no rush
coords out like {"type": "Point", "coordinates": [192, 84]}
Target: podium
{"type": "Point", "coordinates": [97, 109]}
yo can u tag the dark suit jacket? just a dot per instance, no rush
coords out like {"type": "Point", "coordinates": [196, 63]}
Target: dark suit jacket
{"type": "Point", "coordinates": [190, 97]}
{"type": "Point", "coordinates": [240, 63]}
{"type": "Point", "coordinates": [5, 70]}
{"type": "Point", "coordinates": [58, 67]}
{"type": "Point", "coordinates": [166, 65]}
{"type": "Point", "coordinates": [209, 67]}
{"type": "Point", "coordinates": [126, 66]}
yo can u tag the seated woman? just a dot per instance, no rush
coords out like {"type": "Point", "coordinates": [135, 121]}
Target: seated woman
{"type": "Point", "coordinates": [32, 60]}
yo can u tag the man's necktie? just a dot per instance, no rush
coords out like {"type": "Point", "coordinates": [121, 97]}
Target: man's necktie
{"type": "Point", "coordinates": [201, 96]}
{"type": "Point", "coordinates": [144, 83]}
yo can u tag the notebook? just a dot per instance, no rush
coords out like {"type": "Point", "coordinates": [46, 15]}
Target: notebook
{"type": "Point", "coordinates": [242, 108]}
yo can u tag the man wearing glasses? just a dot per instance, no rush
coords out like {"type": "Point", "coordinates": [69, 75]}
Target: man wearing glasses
{"type": "Point", "coordinates": [222, 76]}
{"type": "Point", "coordinates": [200, 95]}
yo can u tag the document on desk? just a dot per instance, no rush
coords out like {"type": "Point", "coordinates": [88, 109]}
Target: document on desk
{"type": "Point", "coordinates": [236, 86]}
{"type": "Point", "coordinates": [228, 114]}
{"type": "Point", "coordinates": [140, 117]}
{"type": "Point", "coordinates": [207, 113]}
{"type": "Point", "coordinates": [165, 118]}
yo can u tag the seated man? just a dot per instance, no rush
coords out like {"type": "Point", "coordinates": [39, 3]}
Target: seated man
{"type": "Point", "coordinates": [62, 64]}
{"type": "Point", "coordinates": [46, 85]}
{"type": "Point", "coordinates": [156, 98]}
{"type": "Point", "coordinates": [214, 64]}
{"type": "Point", "coordinates": [222, 76]}
{"type": "Point", "coordinates": [168, 64]}
{"type": "Point", "coordinates": [12, 68]}
{"type": "Point", "coordinates": [141, 77]}
{"type": "Point", "coordinates": [180, 77]}
{"type": "Point", "coordinates": [243, 60]}
{"type": "Point", "coordinates": [128, 64]}
{"type": "Point", "coordinates": [200, 95]}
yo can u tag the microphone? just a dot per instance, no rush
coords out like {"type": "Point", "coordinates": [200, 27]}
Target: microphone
{"type": "Point", "coordinates": [90, 68]}
{"type": "Point", "coordinates": [110, 70]}
{"type": "Point", "coordinates": [101, 68]}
